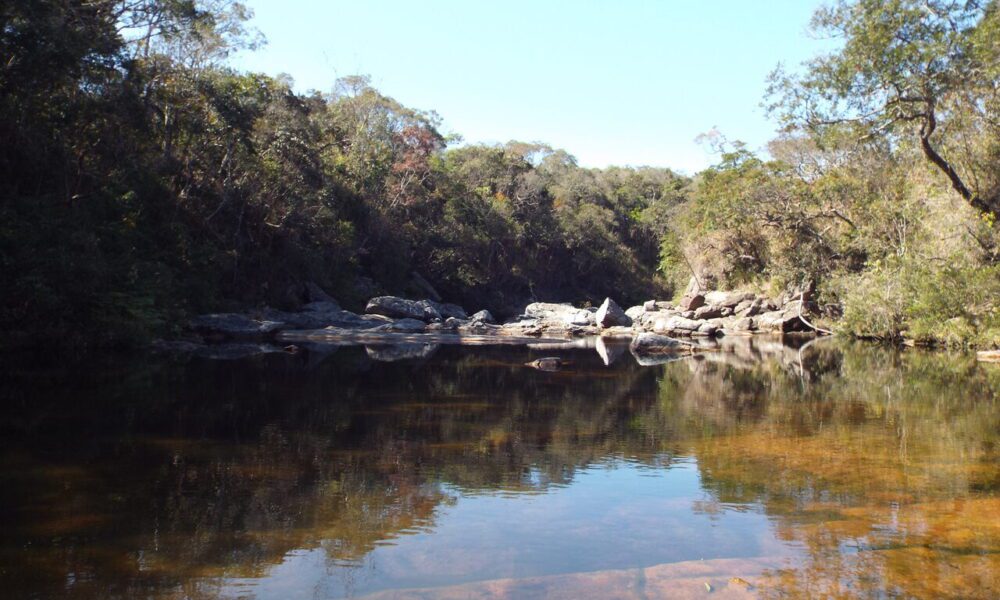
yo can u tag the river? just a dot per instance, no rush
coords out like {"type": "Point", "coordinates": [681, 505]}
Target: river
{"type": "Point", "coordinates": [825, 469]}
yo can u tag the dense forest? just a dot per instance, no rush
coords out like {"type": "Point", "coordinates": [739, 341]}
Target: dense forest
{"type": "Point", "coordinates": [142, 179]}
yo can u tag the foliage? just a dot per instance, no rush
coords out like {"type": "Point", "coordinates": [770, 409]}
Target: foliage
{"type": "Point", "coordinates": [143, 179]}
{"type": "Point", "coordinates": [928, 304]}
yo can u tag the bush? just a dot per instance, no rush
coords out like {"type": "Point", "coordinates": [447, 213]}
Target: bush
{"type": "Point", "coordinates": [903, 298]}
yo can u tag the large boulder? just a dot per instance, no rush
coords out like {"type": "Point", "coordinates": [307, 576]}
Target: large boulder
{"type": "Point", "coordinates": [610, 315]}
{"type": "Point", "coordinates": [549, 311]}
{"type": "Point", "coordinates": [401, 308]}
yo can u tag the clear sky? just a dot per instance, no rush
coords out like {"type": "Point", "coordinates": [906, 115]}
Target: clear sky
{"type": "Point", "coordinates": [612, 82]}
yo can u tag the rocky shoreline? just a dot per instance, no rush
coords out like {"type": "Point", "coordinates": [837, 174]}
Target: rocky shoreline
{"type": "Point", "coordinates": [653, 328]}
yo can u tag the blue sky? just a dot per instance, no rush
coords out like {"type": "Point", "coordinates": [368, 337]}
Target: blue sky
{"type": "Point", "coordinates": [624, 82]}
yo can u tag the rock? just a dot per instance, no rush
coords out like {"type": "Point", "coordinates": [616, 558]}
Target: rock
{"type": "Point", "coordinates": [749, 308]}
{"type": "Point", "coordinates": [730, 299]}
{"type": "Point", "coordinates": [318, 315]}
{"type": "Point", "coordinates": [548, 310]}
{"type": "Point", "coordinates": [708, 329]}
{"type": "Point", "coordinates": [401, 308]}
{"type": "Point", "coordinates": [581, 318]}
{"type": "Point", "coordinates": [235, 326]}
{"type": "Point", "coordinates": [742, 324]}
{"type": "Point", "coordinates": [651, 343]}
{"type": "Point", "coordinates": [404, 326]}
{"type": "Point", "coordinates": [708, 312]}
{"type": "Point", "coordinates": [687, 314]}
{"type": "Point", "coordinates": [692, 302]}
{"type": "Point", "coordinates": [447, 310]}
{"type": "Point", "coordinates": [548, 363]}
{"type": "Point", "coordinates": [610, 315]}
{"type": "Point", "coordinates": [780, 321]}
{"type": "Point", "coordinates": [483, 316]}
{"type": "Point", "coordinates": [682, 324]}
{"type": "Point", "coordinates": [635, 312]}
{"type": "Point", "coordinates": [649, 305]}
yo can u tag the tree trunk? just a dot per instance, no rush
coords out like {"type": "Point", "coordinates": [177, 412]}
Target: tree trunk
{"type": "Point", "coordinates": [983, 205]}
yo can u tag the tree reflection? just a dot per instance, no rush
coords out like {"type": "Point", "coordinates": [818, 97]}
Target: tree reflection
{"type": "Point", "coordinates": [163, 479]}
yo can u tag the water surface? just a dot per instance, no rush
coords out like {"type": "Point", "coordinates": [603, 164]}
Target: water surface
{"type": "Point", "coordinates": [832, 470]}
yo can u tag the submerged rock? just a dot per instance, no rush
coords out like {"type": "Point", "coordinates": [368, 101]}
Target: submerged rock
{"type": "Point", "coordinates": [548, 363]}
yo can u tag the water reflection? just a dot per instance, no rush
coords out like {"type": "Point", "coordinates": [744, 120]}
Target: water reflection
{"type": "Point", "coordinates": [762, 469]}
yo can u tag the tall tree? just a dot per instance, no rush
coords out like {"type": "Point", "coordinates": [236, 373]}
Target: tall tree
{"type": "Point", "coordinates": [904, 66]}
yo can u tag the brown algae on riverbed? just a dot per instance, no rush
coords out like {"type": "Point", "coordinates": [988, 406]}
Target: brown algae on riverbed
{"type": "Point", "coordinates": [834, 471]}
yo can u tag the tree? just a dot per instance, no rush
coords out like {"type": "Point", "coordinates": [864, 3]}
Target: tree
{"type": "Point", "coordinates": [905, 66]}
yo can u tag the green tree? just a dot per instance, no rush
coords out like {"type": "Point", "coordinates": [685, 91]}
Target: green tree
{"type": "Point", "coordinates": [904, 67]}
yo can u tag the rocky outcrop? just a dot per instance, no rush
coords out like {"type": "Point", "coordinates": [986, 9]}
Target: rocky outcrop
{"type": "Point", "coordinates": [699, 316]}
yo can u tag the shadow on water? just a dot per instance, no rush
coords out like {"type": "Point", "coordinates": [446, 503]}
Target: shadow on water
{"type": "Point", "coordinates": [842, 470]}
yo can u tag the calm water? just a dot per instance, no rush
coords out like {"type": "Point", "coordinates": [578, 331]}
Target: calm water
{"type": "Point", "coordinates": [829, 471]}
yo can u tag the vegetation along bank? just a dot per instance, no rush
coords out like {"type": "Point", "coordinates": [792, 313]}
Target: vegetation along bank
{"type": "Point", "coordinates": [142, 181]}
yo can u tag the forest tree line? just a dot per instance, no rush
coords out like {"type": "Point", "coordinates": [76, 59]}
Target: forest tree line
{"type": "Point", "coordinates": [144, 179]}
